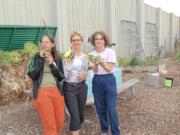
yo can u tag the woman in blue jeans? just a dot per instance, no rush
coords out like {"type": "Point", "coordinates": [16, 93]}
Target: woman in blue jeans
{"type": "Point", "coordinates": [104, 84]}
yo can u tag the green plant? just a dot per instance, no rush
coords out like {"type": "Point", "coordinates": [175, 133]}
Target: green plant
{"type": "Point", "coordinates": [30, 48]}
{"type": "Point", "coordinates": [94, 58]}
{"type": "Point", "coordinates": [178, 57]}
{"type": "Point", "coordinates": [123, 62]}
{"type": "Point", "coordinates": [151, 60]}
{"type": "Point", "coordinates": [14, 57]}
{"type": "Point", "coordinates": [10, 57]}
{"type": "Point", "coordinates": [135, 61]}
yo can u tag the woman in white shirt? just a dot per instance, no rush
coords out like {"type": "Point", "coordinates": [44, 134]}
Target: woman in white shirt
{"type": "Point", "coordinates": [104, 84]}
{"type": "Point", "coordinates": [75, 88]}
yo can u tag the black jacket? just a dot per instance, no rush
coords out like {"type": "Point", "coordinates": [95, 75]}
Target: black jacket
{"type": "Point", "coordinates": [35, 72]}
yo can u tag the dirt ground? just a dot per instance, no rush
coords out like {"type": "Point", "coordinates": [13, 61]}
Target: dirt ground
{"type": "Point", "coordinates": [152, 111]}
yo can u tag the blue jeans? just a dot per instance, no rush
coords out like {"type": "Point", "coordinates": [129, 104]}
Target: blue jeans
{"type": "Point", "coordinates": [105, 92]}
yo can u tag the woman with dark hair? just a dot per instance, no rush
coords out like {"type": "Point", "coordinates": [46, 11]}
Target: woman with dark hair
{"type": "Point", "coordinates": [75, 88]}
{"type": "Point", "coordinates": [104, 83]}
{"type": "Point", "coordinates": [46, 71]}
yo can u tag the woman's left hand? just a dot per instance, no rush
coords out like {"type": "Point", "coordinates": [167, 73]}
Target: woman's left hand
{"type": "Point", "coordinates": [82, 76]}
{"type": "Point", "coordinates": [100, 62]}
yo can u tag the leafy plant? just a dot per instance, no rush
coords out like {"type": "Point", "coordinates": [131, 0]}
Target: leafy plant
{"type": "Point", "coordinates": [135, 61]}
{"type": "Point", "coordinates": [123, 62]}
{"type": "Point", "coordinates": [10, 57]}
{"type": "Point", "coordinates": [178, 57]}
{"type": "Point", "coordinates": [94, 58]}
{"type": "Point", "coordinates": [151, 60]}
{"type": "Point", "coordinates": [30, 48]}
{"type": "Point", "coordinates": [14, 57]}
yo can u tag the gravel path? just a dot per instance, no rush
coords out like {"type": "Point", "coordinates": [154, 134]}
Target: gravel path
{"type": "Point", "coordinates": [153, 111]}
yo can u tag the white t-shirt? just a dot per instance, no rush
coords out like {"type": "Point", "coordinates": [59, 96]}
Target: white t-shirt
{"type": "Point", "coordinates": [108, 55]}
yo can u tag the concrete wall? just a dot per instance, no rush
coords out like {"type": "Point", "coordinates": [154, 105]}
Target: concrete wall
{"type": "Point", "coordinates": [81, 16]}
{"type": "Point", "coordinates": [27, 12]}
{"type": "Point", "coordinates": [165, 31]}
{"type": "Point", "coordinates": [151, 37]}
{"type": "Point", "coordinates": [126, 28]}
{"type": "Point", "coordinates": [136, 28]}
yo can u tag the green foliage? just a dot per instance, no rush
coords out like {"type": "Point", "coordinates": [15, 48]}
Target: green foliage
{"type": "Point", "coordinates": [14, 57]}
{"type": "Point", "coordinates": [151, 60]}
{"type": "Point", "coordinates": [135, 61]}
{"type": "Point", "coordinates": [30, 48]}
{"type": "Point", "coordinates": [10, 57]}
{"type": "Point", "coordinates": [123, 62]}
{"type": "Point", "coordinates": [178, 57]}
{"type": "Point", "coordinates": [94, 58]}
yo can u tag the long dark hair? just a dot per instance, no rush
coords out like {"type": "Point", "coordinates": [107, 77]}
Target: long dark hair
{"type": "Point", "coordinates": [53, 50]}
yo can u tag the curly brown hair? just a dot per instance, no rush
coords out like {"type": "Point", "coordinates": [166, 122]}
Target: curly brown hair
{"type": "Point", "coordinates": [104, 36]}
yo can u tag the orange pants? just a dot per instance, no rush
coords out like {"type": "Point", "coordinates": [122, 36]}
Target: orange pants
{"type": "Point", "coordinates": [50, 106]}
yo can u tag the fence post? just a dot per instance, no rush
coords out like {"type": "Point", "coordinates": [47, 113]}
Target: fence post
{"type": "Point", "coordinates": [111, 20]}
{"type": "Point", "coordinates": [140, 22]}
{"type": "Point", "coordinates": [171, 34]}
{"type": "Point", "coordinates": [158, 27]}
{"type": "Point", "coordinates": [61, 18]}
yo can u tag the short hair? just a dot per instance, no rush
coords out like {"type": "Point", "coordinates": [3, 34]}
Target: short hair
{"type": "Point", "coordinates": [103, 34]}
{"type": "Point", "coordinates": [76, 34]}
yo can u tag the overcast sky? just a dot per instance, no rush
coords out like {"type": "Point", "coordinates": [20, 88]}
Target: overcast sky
{"type": "Point", "coordinates": [172, 6]}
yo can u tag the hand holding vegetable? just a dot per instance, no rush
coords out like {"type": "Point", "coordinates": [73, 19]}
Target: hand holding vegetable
{"type": "Point", "coordinates": [94, 59]}
{"type": "Point", "coordinates": [46, 54]}
{"type": "Point", "coordinates": [69, 55]}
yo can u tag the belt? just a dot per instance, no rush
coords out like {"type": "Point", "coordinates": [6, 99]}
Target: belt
{"type": "Point", "coordinates": [103, 74]}
{"type": "Point", "coordinates": [74, 84]}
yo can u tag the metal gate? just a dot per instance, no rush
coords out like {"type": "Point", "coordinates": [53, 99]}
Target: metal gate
{"type": "Point", "coordinates": [151, 40]}
{"type": "Point", "coordinates": [129, 41]}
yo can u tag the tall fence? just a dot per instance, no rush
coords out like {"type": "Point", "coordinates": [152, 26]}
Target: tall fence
{"type": "Point", "coordinates": [137, 28]}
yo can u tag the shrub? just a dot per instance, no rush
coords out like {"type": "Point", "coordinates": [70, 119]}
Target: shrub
{"type": "Point", "coordinates": [151, 60]}
{"type": "Point", "coordinates": [14, 57]}
{"type": "Point", "coordinates": [135, 61]}
{"type": "Point", "coordinates": [123, 62]}
{"type": "Point", "coordinates": [30, 48]}
{"type": "Point", "coordinates": [178, 57]}
{"type": "Point", "coordinates": [10, 57]}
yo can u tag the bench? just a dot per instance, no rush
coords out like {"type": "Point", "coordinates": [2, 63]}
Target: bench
{"type": "Point", "coordinates": [130, 85]}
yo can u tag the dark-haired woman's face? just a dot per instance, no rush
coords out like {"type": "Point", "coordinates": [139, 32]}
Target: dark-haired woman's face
{"type": "Point", "coordinates": [46, 43]}
{"type": "Point", "coordinates": [99, 41]}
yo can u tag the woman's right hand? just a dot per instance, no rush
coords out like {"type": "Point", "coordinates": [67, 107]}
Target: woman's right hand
{"type": "Point", "coordinates": [82, 76]}
{"type": "Point", "coordinates": [42, 53]}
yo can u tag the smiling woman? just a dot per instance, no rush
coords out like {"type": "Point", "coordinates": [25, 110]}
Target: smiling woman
{"type": "Point", "coordinates": [104, 84]}
{"type": "Point", "coordinates": [46, 72]}
{"type": "Point", "coordinates": [75, 88]}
